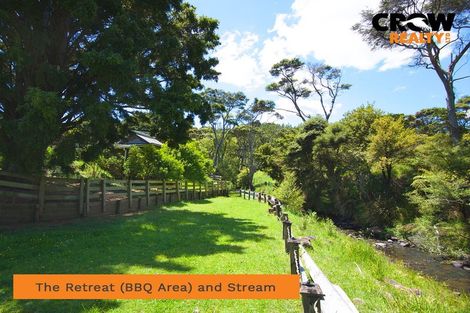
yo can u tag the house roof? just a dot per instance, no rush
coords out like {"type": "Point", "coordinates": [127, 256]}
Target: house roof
{"type": "Point", "coordinates": [138, 138]}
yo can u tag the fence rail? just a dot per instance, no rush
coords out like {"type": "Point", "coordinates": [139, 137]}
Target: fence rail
{"type": "Point", "coordinates": [317, 292]}
{"type": "Point", "coordinates": [26, 199]}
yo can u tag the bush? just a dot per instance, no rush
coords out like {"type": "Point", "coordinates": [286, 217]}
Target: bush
{"type": "Point", "coordinates": [443, 238]}
{"type": "Point", "coordinates": [243, 179]}
{"type": "Point", "coordinates": [290, 194]}
{"type": "Point", "coordinates": [196, 166]}
{"type": "Point", "coordinates": [263, 182]}
{"type": "Point", "coordinates": [150, 162]}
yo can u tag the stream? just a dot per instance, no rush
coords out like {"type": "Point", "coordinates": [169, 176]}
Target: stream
{"type": "Point", "coordinates": [457, 279]}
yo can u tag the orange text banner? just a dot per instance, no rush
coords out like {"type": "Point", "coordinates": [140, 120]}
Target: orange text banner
{"type": "Point", "coordinates": [101, 286]}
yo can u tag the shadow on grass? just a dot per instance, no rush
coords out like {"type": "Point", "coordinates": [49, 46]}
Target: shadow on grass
{"type": "Point", "coordinates": [147, 243]}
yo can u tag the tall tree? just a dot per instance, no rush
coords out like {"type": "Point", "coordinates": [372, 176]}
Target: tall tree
{"type": "Point", "coordinates": [248, 134]}
{"type": "Point", "coordinates": [390, 144]}
{"type": "Point", "coordinates": [70, 70]}
{"type": "Point", "coordinates": [226, 108]}
{"type": "Point", "coordinates": [326, 83]}
{"type": "Point", "coordinates": [288, 85]}
{"type": "Point", "coordinates": [431, 54]}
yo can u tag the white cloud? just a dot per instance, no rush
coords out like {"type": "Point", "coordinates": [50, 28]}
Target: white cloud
{"type": "Point", "coordinates": [238, 62]}
{"type": "Point", "coordinates": [313, 28]}
{"type": "Point", "coordinates": [322, 29]}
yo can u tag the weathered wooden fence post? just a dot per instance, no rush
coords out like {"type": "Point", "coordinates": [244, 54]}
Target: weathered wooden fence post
{"type": "Point", "coordinates": [129, 193]}
{"type": "Point", "coordinates": [249, 194]}
{"type": "Point", "coordinates": [87, 197]}
{"type": "Point", "coordinates": [178, 190]}
{"type": "Point", "coordinates": [41, 199]}
{"type": "Point", "coordinates": [103, 195]}
{"type": "Point", "coordinates": [286, 229]}
{"type": "Point", "coordinates": [277, 207]}
{"type": "Point", "coordinates": [286, 234]}
{"type": "Point", "coordinates": [164, 191]}
{"type": "Point", "coordinates": [81, 197]}
{"type": "Point", "coordinates": [147, 194]}
{"type": "Point", "coordinates": [311, 295]}
{"type": "Point", "coordinates": [293, 245]}
{"type": "Point", "coordinates": [186, 194]}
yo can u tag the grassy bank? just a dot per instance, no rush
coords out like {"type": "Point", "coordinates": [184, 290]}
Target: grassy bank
{"type": "Point", "coordinates": [221, 235]}
{"type": "Point", "coordinates": [366, 274]}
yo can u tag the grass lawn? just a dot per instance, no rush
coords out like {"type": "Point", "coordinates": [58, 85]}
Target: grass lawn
{"type": "Point", "coordinates": [366, 274]}
{"type": "Point", "coordinates": [213, 236]}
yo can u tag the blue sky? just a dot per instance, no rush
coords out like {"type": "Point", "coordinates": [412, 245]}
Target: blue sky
{"type": "Point", "coordinates": [255, 34]}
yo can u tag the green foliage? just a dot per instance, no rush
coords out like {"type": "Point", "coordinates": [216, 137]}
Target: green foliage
{"type": "Point", "coordinates": [79, 68]}
{"type": "Point", "coordinates": [150, 162]}
{"type": "Point", "coordinates": [196, 166]}
{"type": "Point", "coordinates": [440, 195]}
{"type": "Point", "coordinates": [90, 170]}
{"type": "Point", "coordinates": [299, 160]}
{"type": "Point", "coordinates": [358, 124]}
{"type": "Point", "coordinates": [290, 194]}
{"type": "Point", "coordinates": [390, 144]}
{"type": "Point", "coordinates": [263, 182]}
{"type": "Point", "coordinates": [288, 85]}
{"type": "Point", "coordinates": [244, 179]}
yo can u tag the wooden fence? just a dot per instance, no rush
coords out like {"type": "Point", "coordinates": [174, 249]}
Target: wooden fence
{"type": "Point", "coordinates": [317, 292]}
{"type": "Point", "coordinates": [28, 199]}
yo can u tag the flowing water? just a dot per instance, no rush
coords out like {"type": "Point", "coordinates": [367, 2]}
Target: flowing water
{"type": "Point", "coordinates": [456, 278]}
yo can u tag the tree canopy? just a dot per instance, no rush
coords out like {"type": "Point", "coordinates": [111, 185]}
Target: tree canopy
{"type": "Point", "coordinates": [70, 70]}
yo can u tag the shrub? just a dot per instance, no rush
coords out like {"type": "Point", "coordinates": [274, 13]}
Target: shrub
{"type": "Point", "coordinates": [150, 162]}
{"type": "Point", "coordinates": [290, 194]}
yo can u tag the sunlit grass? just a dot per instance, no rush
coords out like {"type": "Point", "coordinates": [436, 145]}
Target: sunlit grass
{"type": "Point", "coordinates": [221, 235]}
{"type": "Point", "coordinates": [365, 273]}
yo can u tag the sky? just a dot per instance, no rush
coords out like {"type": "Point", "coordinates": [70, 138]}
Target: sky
{"type": "Point", "coordinates": [256, 34]}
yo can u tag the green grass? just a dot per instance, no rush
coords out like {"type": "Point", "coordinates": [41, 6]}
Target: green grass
{"type": "Point", "coordinates": [263, 182]}
{"type": "Point", "coordinates": [213, 236]}
{"type": "Point", "coordinates": [363, 273]}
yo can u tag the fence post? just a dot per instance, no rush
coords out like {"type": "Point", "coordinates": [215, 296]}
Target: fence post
{"type": "Point", "coordinates": [212, 189]}
{"type": "Point", "coordinates": [103, 195]}
{"type": "Point", "coordinates": [205, 189]}
{"type": "Point", "coordinates": [81, 196]}
{"type": "Point", "coordinates": [129, 193]}
{"type": "Point", "coordinates": [293, 246]}
{"type": "Point", "coordinates": [200, 191]}
{"type": "Point", "coordinates": [177, 190]}
{"type": "Point", "coordinates": [41, 198]}
{"type": "Point", "coordinates": [164, 191]}
{"type": "Point", "coordinates": [311, 296]}
{"type": "Point", "coordinates": [249, 194]}
{"type": "Point", "coordinates": [147, 194]}
{"type": "Point", "coordinates": [278, 210]}
{"type": "Point", "coordinates": [194, 190]}
{"type": "Point", "coordinates": [87, 197]}
{"type": "Point", "coordinates": [186, 190]}
{"type": "Point", "coordinates": [286, 229]}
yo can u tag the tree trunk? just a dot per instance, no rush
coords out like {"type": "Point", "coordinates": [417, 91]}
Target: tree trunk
{"type": "Point", "coordinates": [451, 113]}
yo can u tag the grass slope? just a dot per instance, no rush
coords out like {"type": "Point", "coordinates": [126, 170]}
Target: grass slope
{"type": "Point", "coordinates": [365, 273]}
{"type": "Point", "coordinates": [221, 235]}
